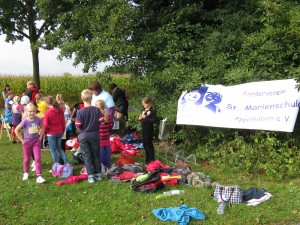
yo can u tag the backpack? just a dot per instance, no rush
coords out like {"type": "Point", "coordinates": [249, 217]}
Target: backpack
{"type": "Point", "coordinates": [32, 93]}
{"type": "Point", "coordinates": [149, 182]}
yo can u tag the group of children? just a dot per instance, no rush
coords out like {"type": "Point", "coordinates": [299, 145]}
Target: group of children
{"type": "Point", "coordinates": [39, 117]}
{"type": "Point", "coordinates": [48, 118]}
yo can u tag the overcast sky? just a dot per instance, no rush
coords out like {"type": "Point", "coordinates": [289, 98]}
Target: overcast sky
{"type": "Point", "coordinates": [15, 59]}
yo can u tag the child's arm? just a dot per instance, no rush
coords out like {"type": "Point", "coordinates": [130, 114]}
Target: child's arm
{"type": "Point", "coordinates": [41, 131]}
{"type": "Point", "coordinates": [8, 104]}
{"type": "Point", "coordinates": [18, 133]}
{"type": "Point", "coordinates": [151, 118]}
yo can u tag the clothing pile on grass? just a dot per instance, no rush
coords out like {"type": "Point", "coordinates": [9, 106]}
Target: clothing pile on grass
{"type": "Point", "coordinates": [156, 176]}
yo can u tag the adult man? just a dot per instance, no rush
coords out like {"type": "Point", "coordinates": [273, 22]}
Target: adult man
{"type": "Point", "coordinates": [99, 93]}
{"type": "Point", "coordinates": [120, 100]}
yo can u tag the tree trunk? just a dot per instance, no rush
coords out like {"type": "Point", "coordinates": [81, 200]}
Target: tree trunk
{"type": "Point", "coordinates": [36, 67]}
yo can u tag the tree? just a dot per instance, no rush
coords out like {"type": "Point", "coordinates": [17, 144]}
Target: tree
{"type": "Point", "coordinates": [21, 19]}
{"type": "Point", "coordinates": [181, 44]}
{"type": "Point", "coordinates": [94, 31]}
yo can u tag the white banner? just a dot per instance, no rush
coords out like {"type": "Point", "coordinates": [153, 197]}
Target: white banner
{"type": "Point", "coordinates": [266, 105]}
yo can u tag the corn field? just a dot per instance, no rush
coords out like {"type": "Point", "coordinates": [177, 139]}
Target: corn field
{"type": "Point", "coordinates": [69, 86]}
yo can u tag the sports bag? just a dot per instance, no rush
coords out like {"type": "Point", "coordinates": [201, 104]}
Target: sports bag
{"type": "Point", "coordinates": [62, 171]}
{"type": "Point", "coordinates": [149, 182]}
{"type": "Point", "coordinates": [231, 194]}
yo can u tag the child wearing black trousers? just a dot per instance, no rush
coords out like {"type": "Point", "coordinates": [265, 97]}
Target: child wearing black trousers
{"type": "Point", "coordinates": [148, 118]}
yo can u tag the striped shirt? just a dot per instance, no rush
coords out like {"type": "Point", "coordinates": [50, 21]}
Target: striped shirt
{"type": "Point", "coordinates": [104, 131]}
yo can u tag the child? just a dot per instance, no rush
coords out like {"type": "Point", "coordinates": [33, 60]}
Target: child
{"type": "Point", "coordinates": [148, 118]}
{"type": "Point", "coordinates": [60, 100]}
{"type": "Point", "coordinates": [32, 90]}
{"type": "Point", "coordinates": [16, 116]}
{"type": "Point", "coordinates": [6, 89]}
{"type": "Point", "coordinates": [54, 127]}
{"type": "Point", "coordinates": [105, 126]}
{"type": "Point", "coordinates": [88, 121]}
{"type": "Point", "coordinates": [31, 141]}
{"type": "Point", "coordinates": [41, 105]}
{"type": "Point", "coordinates": [8, 105]}
{"type": "Point", "coordinates": [42, 108]}
{"type": "Point", "coordinates": [24, 101]}
{"type": "Point", "coordinates": [67, 111]}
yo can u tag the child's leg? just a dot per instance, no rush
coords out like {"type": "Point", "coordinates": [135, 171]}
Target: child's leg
{"type": "Point", "coordinates": [150, 147]}
{"type": "Point", "coordinates": [107, 156]}
{"type": "Point", "coordinates": [37, 157]}
{"type": "Point", "coordinates": [52, 145]}
{"type": "Point", "coordinates": [27, 151]}
{"type": "Point", "coordinates": [86, 151]}
{"type": "Point", "coordinates": [13, 134]}
{"type": "Point", "coordinates": [102, 155]}
{"type": "Point", "coordinates": [60, 150]}
{"type": "Point", "coordinates": [96, 157]}
{"type": "Point", "coordinates": [145, 147]}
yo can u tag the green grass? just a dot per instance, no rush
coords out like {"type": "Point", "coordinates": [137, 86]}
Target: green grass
{"type": "Point", "coordinates": [107, 202]}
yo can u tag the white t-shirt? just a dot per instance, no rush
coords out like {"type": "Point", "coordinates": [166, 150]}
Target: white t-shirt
{"type": "Point", "coordinates": [106, 97]}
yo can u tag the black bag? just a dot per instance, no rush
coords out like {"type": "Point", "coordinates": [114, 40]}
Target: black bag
{"type": "Point", "coordinates": [77, 159]}
{"type": "Point", "coordinates": [232, 194]}
{"type": "Point", "coordinates": [149, 182]}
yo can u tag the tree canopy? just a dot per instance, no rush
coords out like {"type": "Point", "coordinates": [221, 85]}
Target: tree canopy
{"type": "Point", "coordinates": [21, 19]}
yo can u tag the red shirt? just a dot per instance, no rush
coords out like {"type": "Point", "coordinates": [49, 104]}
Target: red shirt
{"type": "Point", "coordinates": [54, 122]}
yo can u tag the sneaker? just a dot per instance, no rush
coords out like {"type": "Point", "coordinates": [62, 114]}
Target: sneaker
{"type": "Point", "coordinates": [33, 163]}
{"type": "Point", "coordinates": [40, 179]}
{"type": "Point", "coordinates": [33, 168]}
{"type": "Point", "coordinates": [91, 180]}
{"type": "Point", "coordinates": [98, 178]}
{"type": "Point", "coordinates": [25, 176]}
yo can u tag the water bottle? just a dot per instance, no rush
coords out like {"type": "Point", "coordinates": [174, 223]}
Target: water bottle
{"type": "Point", "coordinates": [221, 208]}
{"type": "Point", "coordinates": [168, 194]}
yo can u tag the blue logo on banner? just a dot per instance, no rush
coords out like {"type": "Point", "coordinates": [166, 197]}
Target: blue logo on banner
{"type": "Point", "coordinates": [198, 95]}
{"type": "Point", "coordinates": [213, 98]}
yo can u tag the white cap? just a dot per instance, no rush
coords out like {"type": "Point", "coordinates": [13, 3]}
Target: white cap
{"type": "Point", "coordinates": [24, 100]}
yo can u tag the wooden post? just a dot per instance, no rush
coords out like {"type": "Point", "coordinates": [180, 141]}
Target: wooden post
{"type": "Point", "coordinates": [6, 126]}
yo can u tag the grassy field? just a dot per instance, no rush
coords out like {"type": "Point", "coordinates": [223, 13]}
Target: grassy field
{"type": "Point", "coordinates": [107, 202]}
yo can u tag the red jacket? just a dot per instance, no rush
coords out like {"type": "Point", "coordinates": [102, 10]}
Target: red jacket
{"type": "Point", "coordinates": [31, 93]}
{"type": "Point", "coordinates": [54, 122]}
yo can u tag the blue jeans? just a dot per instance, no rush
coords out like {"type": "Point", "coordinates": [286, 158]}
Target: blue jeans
{"type": "Point", "coordinates": [54, 141]}
{"type": "Point", "coordinates": [91, 156]}
{"type": "Point", "coordinates": [105, 155]}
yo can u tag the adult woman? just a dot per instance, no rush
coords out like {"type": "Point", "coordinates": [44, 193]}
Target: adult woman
{"type": "Point", "coordinates": [54, 127]}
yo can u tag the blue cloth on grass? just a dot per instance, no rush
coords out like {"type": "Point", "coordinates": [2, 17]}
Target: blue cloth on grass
{"type": "Point", "coordinates": [182, 215]}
